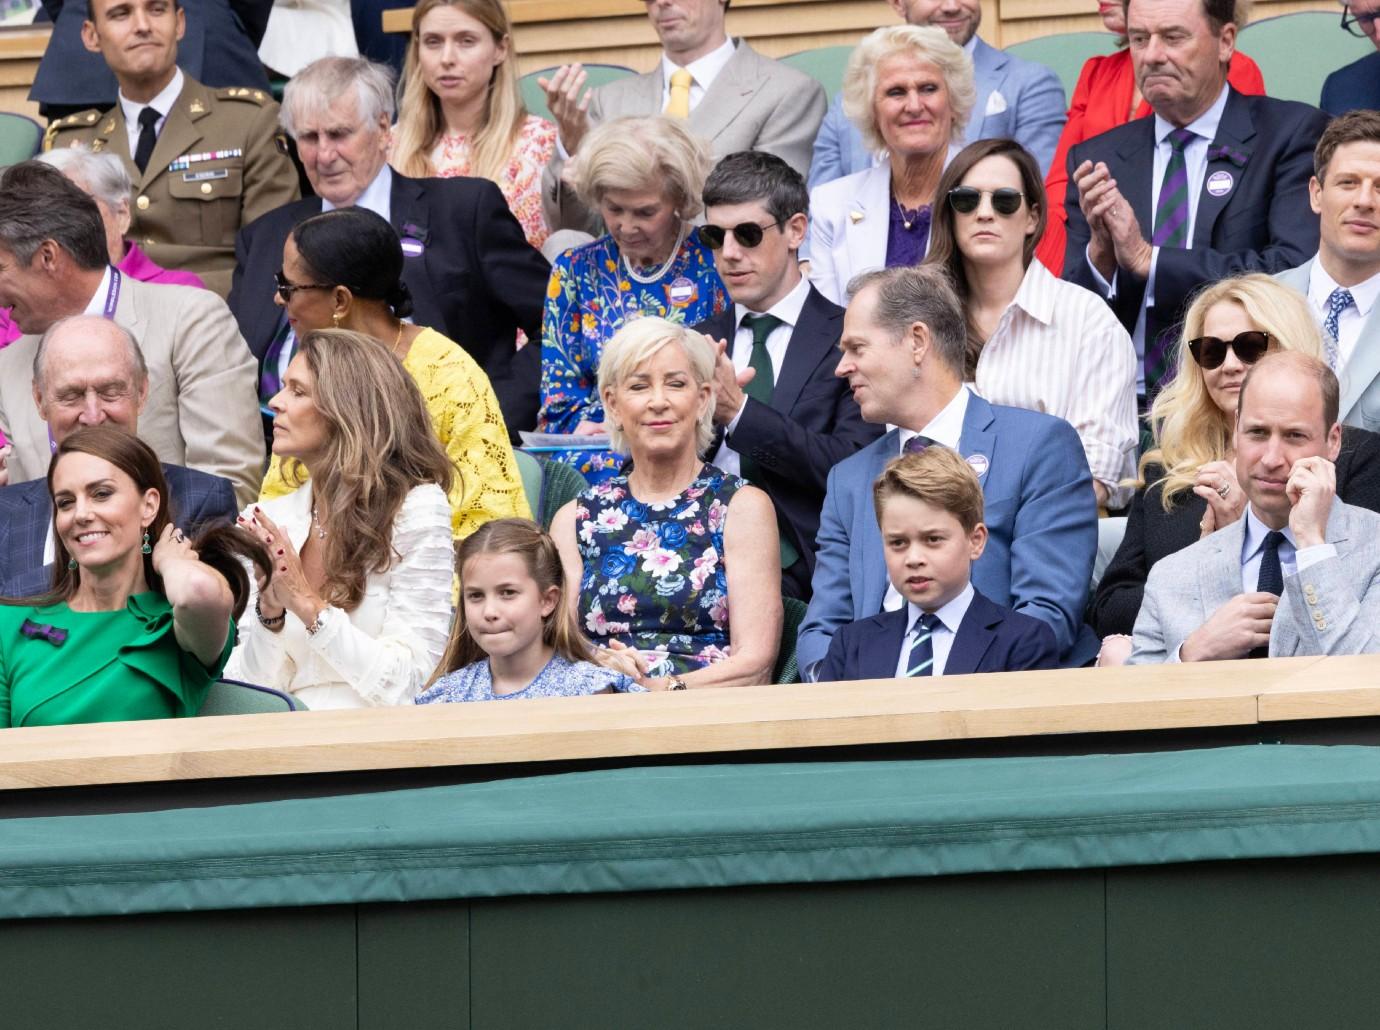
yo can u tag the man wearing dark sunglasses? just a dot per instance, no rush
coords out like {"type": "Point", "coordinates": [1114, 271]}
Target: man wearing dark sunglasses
{"type": "Point", "coordinates": [1299, 573]}
{"type": "Point", "coordinates": [1357, 85]}
{"type": "Point", "coordinates": [783, 419]}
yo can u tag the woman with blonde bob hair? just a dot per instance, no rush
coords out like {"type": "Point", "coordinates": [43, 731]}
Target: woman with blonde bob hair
{"type": "Point", "coordinates": [909, 89]}
{"type": "Point", "coordinates": [462, 112]}
{"type": "Point", "coordinates": [1187, 486]}
{"type": "Point", "coordinates": [659, 550]}
{"type": "Point", "coordinates": [358, 606]}
{"type": "Point", "coordinates": [645, 177]}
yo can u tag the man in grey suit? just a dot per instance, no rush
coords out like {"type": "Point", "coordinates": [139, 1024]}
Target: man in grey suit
{"type": "Point", "coordinates": [730, 95]}
{"type": "Point", "coordinates": [202, 409]}
{"type": "Point", "coordinates": [1342, 281]}
{"type": "Point", "coordinates": [1299, 572]}
{"type": "Point", "coordinates": [1019, 99]}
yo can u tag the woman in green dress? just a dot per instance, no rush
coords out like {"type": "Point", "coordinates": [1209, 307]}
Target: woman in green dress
{"type": "Point", "coordinates": [140, 620]}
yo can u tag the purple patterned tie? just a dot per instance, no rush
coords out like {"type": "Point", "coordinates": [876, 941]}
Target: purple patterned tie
{"type": "Point", "coordinates": [916, 444]}
{"type": "Point", "coordinates": [1171, 230]}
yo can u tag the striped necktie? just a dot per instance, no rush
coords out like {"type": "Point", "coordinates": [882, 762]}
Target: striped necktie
{"type": "Point", "coordinates": [921, 661]}
{"type": "Point", "coordinates": [1171, 230]}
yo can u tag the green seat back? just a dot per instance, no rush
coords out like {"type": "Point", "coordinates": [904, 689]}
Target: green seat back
{"type": "Point", "coordinates": [1296, 52]}
{"type": "Point", "coordinates": [794, 612]}
{"type": "Point", "coordinates": [529, 468]}
{"type": "Point", "coordinates": [232, 697]}
{"type": "Point", "coordinates": [1065, 53]}
{"type": "Point", "coordinates": [596, 75]}
{"type": "Point", "coordinates": [560, 484]}
{"type": "Point", "coordinates": [19, 138]}
{"type": "Point", "coordinates": [824, 64]}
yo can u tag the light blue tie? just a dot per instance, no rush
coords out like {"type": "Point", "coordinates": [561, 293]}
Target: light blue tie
{"type": "Point", "coordinates": [921, 661]}
{"type": "Point", "coordinates": [1338, 302]}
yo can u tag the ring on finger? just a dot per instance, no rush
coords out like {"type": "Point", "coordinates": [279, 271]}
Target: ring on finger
{"type": "Point", "coordinates": [1224, 490]}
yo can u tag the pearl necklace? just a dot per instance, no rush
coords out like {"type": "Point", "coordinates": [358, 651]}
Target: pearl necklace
{"type": "Point", "coordinates": [655, 276]}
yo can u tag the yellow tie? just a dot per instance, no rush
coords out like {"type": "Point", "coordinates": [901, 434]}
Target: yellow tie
{"type": "Point", "coordinates": [679, 104]}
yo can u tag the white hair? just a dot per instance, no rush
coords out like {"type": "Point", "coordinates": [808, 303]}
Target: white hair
{"type": "Point", "coordinates": [103, 174]}
{"type": "Point", "coordinates": [925, 42]}
{"type": "Point", "coordinates": [324, 81]}
{"type": "Point", "coordinates": [635, 344]}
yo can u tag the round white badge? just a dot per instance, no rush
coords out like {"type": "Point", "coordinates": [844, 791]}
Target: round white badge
{"type": "Point", "coordinates": [1219, 183]}
{"type": "Point", "coordinates": [978, 463]}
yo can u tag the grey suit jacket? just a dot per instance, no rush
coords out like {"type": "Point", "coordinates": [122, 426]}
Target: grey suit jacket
{"type": "Point", "coordinates": [1360, 379]}
{"type": "Point", "coordinates": [203, 404]}
{"type": "Point", "coordinates": [754, 103]}
{"type": "Point", "coordinates": [1332, 607]}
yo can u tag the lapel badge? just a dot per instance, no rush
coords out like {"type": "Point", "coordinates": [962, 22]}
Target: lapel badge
{"type": "Point", "coordinates": [109, 127]}
{"type": "Point", "coordinates": [1219, 183]}
{"type": "Point", "coordinates": [855, 217]}
{"type": "Point", "coordinates": [197, 107]}
{"type": "Point", "coordinates": [978, 463]}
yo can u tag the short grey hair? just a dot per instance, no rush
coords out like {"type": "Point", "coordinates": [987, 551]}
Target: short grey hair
{"type": "Point", "coordinates": [322, 82]}
{"type": "Point", "coordinates": [103, 174]}
{"type": "Point", "coordinates": [635, 344]}
{"type": "Point", "coordinates": [925, 42]}
{"type": "Point", "coordinates": [133, 351]}
{"type": "Point", "coordinates": [648, 153]}
{"type": "Point", "coordinates": [919, 293]}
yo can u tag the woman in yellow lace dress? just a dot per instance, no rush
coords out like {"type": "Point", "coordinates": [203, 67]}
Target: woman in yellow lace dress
{"type": "Point", "coordinates": [344, 269]}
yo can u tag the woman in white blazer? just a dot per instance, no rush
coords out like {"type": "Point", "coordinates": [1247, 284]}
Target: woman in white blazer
{"type": "Point", "coordinates": [909, 89]}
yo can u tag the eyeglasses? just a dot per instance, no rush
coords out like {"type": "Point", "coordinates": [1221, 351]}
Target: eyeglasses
{"type": "Point", "coordinates": [1209, 352]}
{"type": "Point", "coordinates": [1358, 24]}
{"type": "Point", "coordinates": [286, 289]}
{"type": "Point", "coordinates": [1005, 201]}
{"type": "Point", "coordinates": [748, 234]}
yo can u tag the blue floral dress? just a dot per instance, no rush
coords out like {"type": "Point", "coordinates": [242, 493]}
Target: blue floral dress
{"type": "Point", "coordinates": [588, 299]}
{"type": "Point", "coordinates": [654, 573]}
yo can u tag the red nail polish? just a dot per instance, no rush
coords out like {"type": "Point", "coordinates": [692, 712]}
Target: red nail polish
{"type": "Point", "coordinates": [280, 550]}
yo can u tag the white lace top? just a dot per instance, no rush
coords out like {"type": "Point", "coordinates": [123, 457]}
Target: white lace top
{"type": "Point", "coordinates": [386, 649]}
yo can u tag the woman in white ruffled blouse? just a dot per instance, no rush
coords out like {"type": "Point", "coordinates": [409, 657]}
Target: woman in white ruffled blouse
{"type": "Point", "coordinates": [358, 608]}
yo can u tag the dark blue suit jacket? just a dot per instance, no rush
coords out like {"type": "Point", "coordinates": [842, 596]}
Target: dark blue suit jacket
{"type": "Point", "coordinates": [1353, 87]}
{"type": "Point", "coordinates": [989, 639]}
{"type": "Point", "coordinates": [26, 512]}
{"type": "Point", "coordinates": [811, 424]}
{"type": "Point", "coordinates": [1262, 224]}
{"type": "Point", "coordinates": [1041, 521]}
{"type": "Point", "coordinates": [477, 280]}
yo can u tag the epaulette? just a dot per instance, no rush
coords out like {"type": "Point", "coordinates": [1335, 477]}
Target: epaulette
{"type": "Point", "coordinates": [252, 96]}
{"type": "Point", "coordinates": [81, 120]}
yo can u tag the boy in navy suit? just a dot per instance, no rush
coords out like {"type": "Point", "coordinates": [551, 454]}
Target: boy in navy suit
{"type": "Point", "coordinates": [929, 510]}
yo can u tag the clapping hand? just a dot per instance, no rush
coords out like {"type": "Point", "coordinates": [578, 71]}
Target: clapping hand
{"type": "Point", "coordinates": [287, 588]}
{"type": "Point", "coordinates": [1117, 240]}
{"type": "Point", "coordinates": [728, 385]}
{"type": "Point", "coordinates": [619, 657]}
{"type": "Point", "coordinates": [567, 106]}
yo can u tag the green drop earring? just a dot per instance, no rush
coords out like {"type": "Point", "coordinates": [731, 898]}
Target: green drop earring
{"type": "Point", "coordinates": [72, 564]}
{"type": "Point", "coordinates": [147, 549]}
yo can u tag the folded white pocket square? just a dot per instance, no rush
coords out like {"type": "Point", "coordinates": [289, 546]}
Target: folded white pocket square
{"type": "Point", "coordinates": [996, 104]}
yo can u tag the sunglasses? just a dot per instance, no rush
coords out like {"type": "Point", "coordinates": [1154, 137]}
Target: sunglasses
{"type": "Point", "coordinates": [1209, 352]}
{"type": "Point", "coordinates": [1005, 201]}
{"type": "Point", "coordinates": [286, 289]}
{"type": "Point", "coordinates": [748, 234]}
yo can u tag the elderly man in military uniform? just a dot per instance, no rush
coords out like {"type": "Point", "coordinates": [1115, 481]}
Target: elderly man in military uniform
{"type": "Point", "coordinates": [203, 161]}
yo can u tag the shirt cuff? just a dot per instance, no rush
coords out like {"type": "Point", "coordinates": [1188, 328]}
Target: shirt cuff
{"type": "Point", "coordinates": [1307, 557]}
{"type": "Point", "coordinates": [1108, 288]}
{"type": "Point", "coordinates": [1150, 279]}
{"type": "Point", "coordinates": [728, 429]}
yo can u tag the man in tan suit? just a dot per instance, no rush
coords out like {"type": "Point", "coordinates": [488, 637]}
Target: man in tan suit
{"type": "Point", "coordinates": [202, 409]}
{"type": "Point", "coordinates": [203, 161]}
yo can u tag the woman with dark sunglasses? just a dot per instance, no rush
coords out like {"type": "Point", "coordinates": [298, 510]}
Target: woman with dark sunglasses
{"type": "Point", "coordinates": [1034, 341]}
{"type": "Point", "coordinates": [1187, 486]}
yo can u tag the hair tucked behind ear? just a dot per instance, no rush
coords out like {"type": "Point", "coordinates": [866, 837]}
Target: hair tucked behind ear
{"type": "Point", "coordinates": [560, 629]}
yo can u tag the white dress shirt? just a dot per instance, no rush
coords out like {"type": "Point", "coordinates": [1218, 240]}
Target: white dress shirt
{"type": "Point", "coordinates": [1204, 128]}
{"type": "Point", "coordinates": [1351, 321]}
{"type": "Point", "coordinates": [163, 103]}
{"type": "Point", "coordinates": [377, 196]}
{"type": "Point", "coordinates": [942, 639]}
{"type": "Point", "coordinates": [703, 69]}
{"type": "Point", "coordinates": [945, 428]}
{"type": "Point", "coordinates": [1059, 349]}
{"type": "Point", "coordinates": [1291, 558]}
{"type": "Point", "coordinates": [787, 309]}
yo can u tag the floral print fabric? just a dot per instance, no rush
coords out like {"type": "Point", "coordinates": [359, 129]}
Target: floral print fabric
{"type": "Point", "coordinates": [654, 574]}
{"type": "Point", "coordinates": [588, 299]}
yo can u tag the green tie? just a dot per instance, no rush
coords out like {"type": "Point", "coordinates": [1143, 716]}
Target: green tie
{"type": "Point", "coordinates": [760, 389]}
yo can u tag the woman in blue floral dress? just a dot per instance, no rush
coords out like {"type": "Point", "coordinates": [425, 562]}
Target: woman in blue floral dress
{"type": "Point", "coordinates": [660, 550]}
{"type": "Point", "coordinates": [645, 176]}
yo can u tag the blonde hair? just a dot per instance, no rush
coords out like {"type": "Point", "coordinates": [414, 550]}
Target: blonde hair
{"type": "Point", "coordinates": [925, 42]}
{"type": "Point", "coordinates": [559, 630]}
{"type": "Point", "coordinates": [1189, 428]}
{"type": "Point", "coordinates": [636, 343]}
{"type": "Point", "coordinates": [938, 476]}
{"type": "Point", "coordinates": [652, 153]}
{"type": "Point", "coordinates": [380, 445]}
{"type": "Point", "coordinates": [420, 123]}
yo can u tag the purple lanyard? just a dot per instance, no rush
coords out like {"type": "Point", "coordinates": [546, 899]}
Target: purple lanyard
{"type": "Point", "coordinates": [112, 297]}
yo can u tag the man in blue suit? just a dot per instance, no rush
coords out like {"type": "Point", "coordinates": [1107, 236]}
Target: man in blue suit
{"type": "Point", "coordinates": [784, 419]}
{"type": "Point", "coordinates": [90, 372]}
{"type": "Point", "coordinates": [1356, 87]}
{"type": "Point", "coordinates": [904, 336]}
{"type": "Point", "coordinates": [1016, 99]}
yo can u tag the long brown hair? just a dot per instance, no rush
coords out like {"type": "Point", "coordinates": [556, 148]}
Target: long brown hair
{"type": "Point", "coordinates": [220, 547]}
{"type": "Point", "coordinates": [380, 444]}
{"type": "Point", "coordinates": [560, 629]}
{"type": "Point", "coordinates": [943, 247]}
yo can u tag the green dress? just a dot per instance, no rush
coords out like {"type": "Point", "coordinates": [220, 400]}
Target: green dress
{"type": "Point", "coordinates": [112, 666]}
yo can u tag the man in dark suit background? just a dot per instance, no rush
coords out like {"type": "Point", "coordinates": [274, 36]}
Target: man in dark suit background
{"type": "Point", "coordinates": [784, 419]}
{"type": "Point", "coordinates": [89, 371]}
{"type": "Point", "coordinates": [1214, 184]}
{"type": "Point", "coordinates": [1356, 87]}
{"type": "Point", "coordinates": [472, 274]}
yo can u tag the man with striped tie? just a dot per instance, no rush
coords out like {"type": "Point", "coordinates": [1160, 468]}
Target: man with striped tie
{"type": "Point", "coordinates": [1342, 282]}
{"type": "Point", "coordinates": [1214, 184]}
{"type": "Point", "coordinates": [929, 509]}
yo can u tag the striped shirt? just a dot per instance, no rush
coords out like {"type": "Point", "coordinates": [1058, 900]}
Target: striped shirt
{"type": "Point", "coordinates": [1059, 349]}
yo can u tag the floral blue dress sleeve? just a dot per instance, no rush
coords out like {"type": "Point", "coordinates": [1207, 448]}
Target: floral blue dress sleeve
{"type": "Point", "coordinates": [560, 678]}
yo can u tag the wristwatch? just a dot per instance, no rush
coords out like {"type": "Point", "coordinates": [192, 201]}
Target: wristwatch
{"type": "Point", "coordinates": [677, 684]}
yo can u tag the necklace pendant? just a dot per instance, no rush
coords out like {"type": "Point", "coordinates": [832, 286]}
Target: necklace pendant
{"type": "Point", "coordinates": [905, 223]}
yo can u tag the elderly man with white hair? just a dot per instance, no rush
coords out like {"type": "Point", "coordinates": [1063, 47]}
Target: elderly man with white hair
{"type": "Point", "coordinates": [471, 272]}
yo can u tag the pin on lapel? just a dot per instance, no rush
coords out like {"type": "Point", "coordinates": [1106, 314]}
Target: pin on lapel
{"type": "Point", "coordinates": [197, 107]}
{"type": "Point", "coordinates": [109, 127]}
{"type": "Point", "coordinates": [855, 217]}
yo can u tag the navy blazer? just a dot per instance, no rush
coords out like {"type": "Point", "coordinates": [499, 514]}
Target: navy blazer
{"type": "Point", "coordinates": [811, 425]}
{"type": "Point", "coordinates": [477, 279]}
{"type": "Point", "coordinates": [1354, 87]}
{"type": "Point", "coordinates": [26, 511]}
{"type": "Point", "coordinates": [989, 639]}
{"type": "Point", "coordinates": [1263, 223]}
{"type": "Point", "coordinates": [1041, 519]}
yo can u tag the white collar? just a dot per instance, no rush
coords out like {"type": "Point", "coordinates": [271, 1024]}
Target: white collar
{"type": "Point", "coordinates": [162, 103]}
{"type": "Point", "coordinates": [970, 47]}
{"type": "Point", "coordinates": [1321, 285]}
{"type": "Point", "coordinates": [787, 309]}
{"type": "Point", "coordinates": [951, 614]}
{"type": "Point", "coordinates": [945, 428]}
{"type": "Point", "coordinates": [1035, 295]}
{"type": "Point", "coordinates": [377, 196]}
{"type": "Point", "coordinates": [702, 69]}
{"type": "Point", "coordinates": [1256, 531]}
{"type": "Point", "coordinates": [96, 305]}
{"type": "Point", "coordinates": [1205, 125]}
